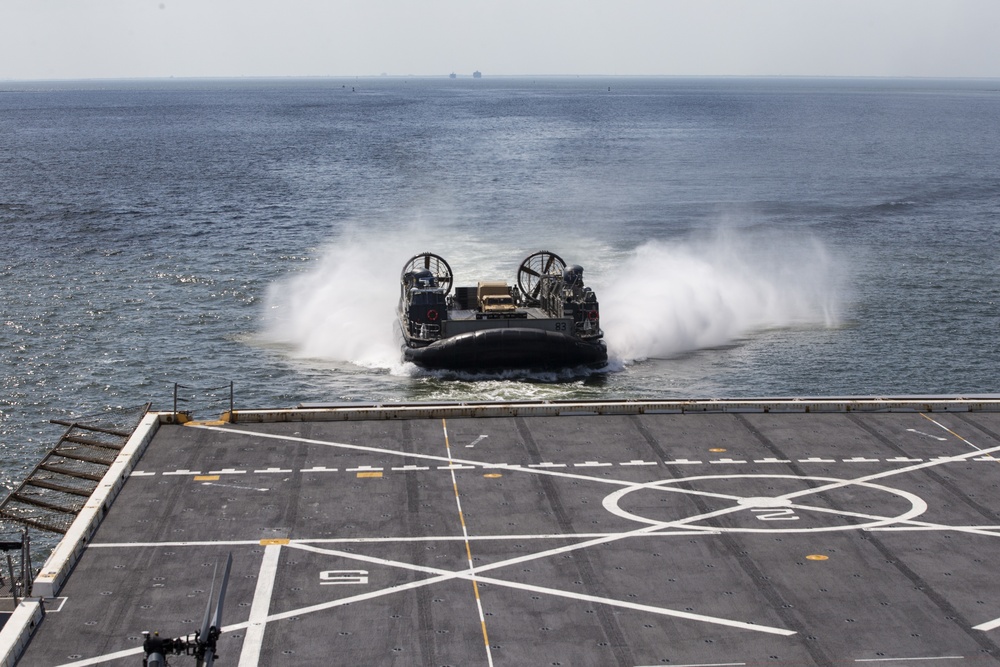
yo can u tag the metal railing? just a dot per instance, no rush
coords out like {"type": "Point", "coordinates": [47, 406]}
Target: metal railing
{"type": "Point", "coordinates": [16, 572]}
{"type": "Point", "coordinates": [188, 394]}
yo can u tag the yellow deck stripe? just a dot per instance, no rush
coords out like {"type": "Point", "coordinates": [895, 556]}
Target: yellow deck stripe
{"type": "Point", "coordinates": [468, 546]}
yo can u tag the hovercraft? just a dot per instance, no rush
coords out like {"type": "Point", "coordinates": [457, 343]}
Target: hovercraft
{"type": "Point", "coordinates": [549, 320]}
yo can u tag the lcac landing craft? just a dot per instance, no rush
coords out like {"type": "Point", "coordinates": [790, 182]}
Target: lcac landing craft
{"type": "Point", "coordinates": [548, 320]}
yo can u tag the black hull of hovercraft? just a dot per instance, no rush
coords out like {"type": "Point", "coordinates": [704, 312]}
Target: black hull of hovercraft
{"type": "Point", "coordinates": [508, 349]}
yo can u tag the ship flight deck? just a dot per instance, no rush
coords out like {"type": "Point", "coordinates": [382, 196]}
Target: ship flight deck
{"type": "Point", "coordinates": [810, 532]}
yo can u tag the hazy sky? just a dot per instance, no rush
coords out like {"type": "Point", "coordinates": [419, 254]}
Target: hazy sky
{"type": "Point", "coordinates": [67, 39]}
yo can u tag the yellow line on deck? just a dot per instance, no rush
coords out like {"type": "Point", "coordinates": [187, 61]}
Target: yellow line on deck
{"type": "Point", "coordinates": [468, 547]}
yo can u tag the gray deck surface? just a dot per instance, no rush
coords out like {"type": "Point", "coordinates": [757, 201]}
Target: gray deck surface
{"type": "Point", "coordinates": [716, 539]}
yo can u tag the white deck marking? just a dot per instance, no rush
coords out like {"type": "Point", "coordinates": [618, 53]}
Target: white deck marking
{"type": "Point", "coordinates": [942, 426]}
{"type": "Point", "coordinates": [550, 464]}
{"type": "Point", "coordinates": [913, 430]}
{"type": "Point", "coordinates": [929, 657]}
{"type": "Point", "coordinates": [611, 504]}
{"type": "Point", "coordinates": [606, 480]}
{"type": "Point", "coordinates": [914, 525]}
{"type": "Point", "coordinates": [988, 625]}
{"type": "Point", "coordinates": [478, 440]}
{"type": "Point", "coordinates": [107, 657]}
{"type": "Point", "coordinates": [227, 471]}
{"type": "Point", "coordinates": [234, 486]}
{"type": "Point", "coordinates": [253, 641]}
{"type": "Point", "coordinates": [390, 540]}
{"type": "Point", "coordinates": [466, 574]}
{"type": "Point", "coordinates": [897, 471]}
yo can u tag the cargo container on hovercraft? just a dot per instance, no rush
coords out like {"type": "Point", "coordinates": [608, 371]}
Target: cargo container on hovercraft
{"type": "Point", "coordinates": [548, 320]}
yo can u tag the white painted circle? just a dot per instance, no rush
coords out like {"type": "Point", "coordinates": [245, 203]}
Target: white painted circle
{"type": "Point", "coordinates": [917, 505]}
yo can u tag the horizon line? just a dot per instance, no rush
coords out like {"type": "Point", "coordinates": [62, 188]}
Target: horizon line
{"type": "Point", "coordinates": [271, 77]}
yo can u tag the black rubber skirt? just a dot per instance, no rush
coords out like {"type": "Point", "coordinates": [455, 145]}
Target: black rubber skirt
{"type": "Point", "coordinates": [501, 349]}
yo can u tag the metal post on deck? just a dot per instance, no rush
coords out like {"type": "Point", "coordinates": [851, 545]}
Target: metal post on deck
{"type": "Point", "coordinates": [28, 575]}
{"type": "Point", "coordinates": [13, 581]}
{"type": "Point", "coordinates": [230, 397]}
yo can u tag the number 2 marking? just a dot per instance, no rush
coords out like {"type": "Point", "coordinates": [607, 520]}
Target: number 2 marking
{"type": "Point", "coordinates": [333, 577]}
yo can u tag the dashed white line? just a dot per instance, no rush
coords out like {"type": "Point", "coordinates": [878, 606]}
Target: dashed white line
{"type": "Point", "coordinates": [586, 464]}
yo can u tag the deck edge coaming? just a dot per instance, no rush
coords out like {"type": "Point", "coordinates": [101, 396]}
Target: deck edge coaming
{"type": "Point", "coordinates": [381, 411]}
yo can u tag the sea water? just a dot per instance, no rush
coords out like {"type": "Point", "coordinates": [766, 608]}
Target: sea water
{"type": "Point", "coordinates": [745, 237]}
